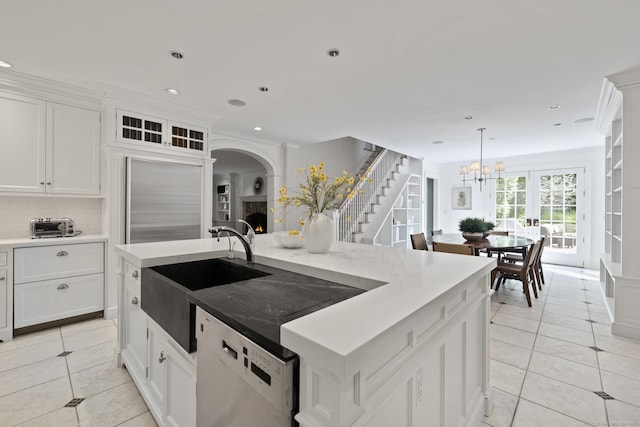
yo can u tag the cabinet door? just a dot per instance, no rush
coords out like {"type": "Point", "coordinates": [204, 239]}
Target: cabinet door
{"type": "Point", "coordinates": [187, 137]}
{"type": "Point", "coordinates": [181, 390]}
{"type": "Point", "coordinates": [137, 128]}
{"type": "Point", "coordinates": [73, 150]}
{"type": "Point", "coordinates": [3, 298]}
{"type": "Point", "coordinates": [157, 374]}
{"type": "Point", "coordinates": [135, 329]}
{"type": "Point", "coordinates": [22, 144]}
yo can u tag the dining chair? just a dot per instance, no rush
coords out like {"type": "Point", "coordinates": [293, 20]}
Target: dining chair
{"type": "Point", "coordinates": [419, 242]}
{"type": "Point", "coordinates": [436, 232]}
{"type": "Point", "coordinates": [523, 272]}
{"type": "Point", "coordinates": [499, 233]}
{"type": "Point", "coordinates": [452, 248]}
{"type": "Point", "coordinates": [539, 274]}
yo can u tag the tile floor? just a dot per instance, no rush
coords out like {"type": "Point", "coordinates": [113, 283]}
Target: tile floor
{"type": "Point", "coordinates": [37, 380]}
{"type": "Point", "coordinates": [546, 363]}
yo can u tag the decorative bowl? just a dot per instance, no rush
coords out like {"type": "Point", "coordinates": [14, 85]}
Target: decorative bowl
{"type": "Point", "coordinates": [286, 240]}
{"type": "Point", "coordinates": [473, 237]}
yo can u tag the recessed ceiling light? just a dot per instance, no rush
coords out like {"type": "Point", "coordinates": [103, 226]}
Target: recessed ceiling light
{"type": "Point", "coordinates": [493, 138]}
{"type": "Point", "coordinates": [263, 89]}
{"type": "Point", "coordinates": [333, 52]}
{"type": "Point", "coordinates": [257, 128]}
{"type": "Point", "coordinates": [557, 124]}
{"type": "Point", "coordinates": [176, 54]}
{"type": "Point", "coordinates": [553, 107]}
{"type": "Point", "coordinates": [469, 117]}
{"type": "Point", "coordinates": [237, 102]}
{"type": "Point", "coordinates": [438, 142]}
{"type": "Point", "coordinates": [172, 91]}
{"type": "Point", "coordinates": [5, 64]}
{"type": "Point", "coordinates": [584, 120]}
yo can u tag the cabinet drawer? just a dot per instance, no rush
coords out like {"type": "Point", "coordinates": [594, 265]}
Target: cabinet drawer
{"type": "Point", "coordinates": [3, 259]}
{"type": "Point", "coordinates": [49, 300]}
{"type": "Point", "coordinates": [52, 262]}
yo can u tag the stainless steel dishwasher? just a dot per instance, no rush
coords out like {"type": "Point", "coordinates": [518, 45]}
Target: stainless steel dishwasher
{"type": "Point", "coordinates": [240, 384]}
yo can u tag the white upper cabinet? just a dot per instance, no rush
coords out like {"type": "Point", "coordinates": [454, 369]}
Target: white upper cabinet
{"type": "Point", "coordinates": [22, 144]}
{"type": "Point", "coordinates": [73, 150]}
{"type": "Point", "coordinates": [46, 147]}
{"type": "Point", "coordinates": [151, 131]}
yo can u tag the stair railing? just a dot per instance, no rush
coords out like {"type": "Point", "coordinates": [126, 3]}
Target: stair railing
{"type": "Point", "coordinates": [353, 210]}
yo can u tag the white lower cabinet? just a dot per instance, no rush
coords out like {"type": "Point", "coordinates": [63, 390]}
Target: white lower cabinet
{"type": "Point", "coordinates": [49, 300]}
{"type": "Point", "coordinates": [171, 380]}
{"type": "Point", "coordinates": [162, 370]}
{"type": "Point", "coordinates": [135, 333]}
{"type": "Point", "coordinates": [55, 282]}
{"type": "Point", "coordinates": [5, 310]}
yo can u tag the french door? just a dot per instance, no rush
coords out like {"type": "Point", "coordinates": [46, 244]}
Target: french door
{"type": "Point", "coordinates": [549, 204]}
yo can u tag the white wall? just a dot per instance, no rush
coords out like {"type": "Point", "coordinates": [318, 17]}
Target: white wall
{"type": "Point", "coordinates": [592, 159]}
{"type": "Point", "coordinates": [338, 155]}
{"type": "Point", "coordinates": [16, 212]}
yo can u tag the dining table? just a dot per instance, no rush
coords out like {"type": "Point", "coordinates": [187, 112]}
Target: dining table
{"type": "Point", "coordinates": [492, 243]}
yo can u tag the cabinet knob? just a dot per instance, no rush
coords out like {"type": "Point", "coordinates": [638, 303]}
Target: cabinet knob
{"type": "Point", "coordinates": [48, 183]}
{"type": "Point", "coordinates": [134, 274]}
{"type": "Point", "coordinates": [162, 358]}
{"type": "Point", "coordinates": [134, 301]}
{"type": "Point", "coordinates": [62, 253]}
{"type": "Point", "coordinates": [2, 278]}
{"type": "Point", "coordinates": [41, 182]}
{"type": "Point", "coordinates": [63, 286]}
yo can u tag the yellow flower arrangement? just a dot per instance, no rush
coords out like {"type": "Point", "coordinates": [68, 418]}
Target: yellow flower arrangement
{"type": "Point", "coordinates": [318, 193]}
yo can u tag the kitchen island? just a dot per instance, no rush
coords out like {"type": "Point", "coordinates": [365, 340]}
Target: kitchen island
{"type": "Point", "coordinates": [412, 350]}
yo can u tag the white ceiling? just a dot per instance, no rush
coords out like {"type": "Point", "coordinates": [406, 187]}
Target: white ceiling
{"type": "Point", "coordinates": [408, 73]}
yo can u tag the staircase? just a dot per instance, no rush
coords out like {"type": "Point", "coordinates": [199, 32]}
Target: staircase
{"type": "Point", "coordinates": [374, 196]}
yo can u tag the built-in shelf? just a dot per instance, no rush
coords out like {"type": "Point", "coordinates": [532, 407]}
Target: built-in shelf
{"type": "Point", "coordinates": [619, 269]}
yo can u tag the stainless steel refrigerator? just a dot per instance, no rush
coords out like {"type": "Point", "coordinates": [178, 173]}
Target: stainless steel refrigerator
{"type": "Point", "coordinates": [164, 201]}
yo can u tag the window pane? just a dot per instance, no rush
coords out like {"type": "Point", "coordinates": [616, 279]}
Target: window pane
{"type": "Point", "coordinates": [545, 213]}
{"type": "Point", "coordinates": [522, 183]}
{"type": "Point", "coordinates": [521, 198]}
{"type": "Point", "coordinates": [500, 184]}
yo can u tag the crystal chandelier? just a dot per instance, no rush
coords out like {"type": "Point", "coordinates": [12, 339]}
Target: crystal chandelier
{"type": "Point", "coordinates": [481, 172]}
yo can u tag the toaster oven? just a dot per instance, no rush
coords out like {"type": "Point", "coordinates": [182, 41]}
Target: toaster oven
{"type": "Point", "coordinates": [52, 227]}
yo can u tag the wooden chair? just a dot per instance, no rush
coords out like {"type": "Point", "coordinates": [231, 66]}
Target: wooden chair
{"type": "Point", "coordinates": [452, 248]}
{"type": "Point", "coordinates": [523, 272]}
{"type": "Point", "coordinates": [436, 232]}
{"type": "Point", "coordinates": [539, 274]}
{"type": "Point", "coordinates": [419, 242]}
{"type": "Point", "coordinates": [499, 233]}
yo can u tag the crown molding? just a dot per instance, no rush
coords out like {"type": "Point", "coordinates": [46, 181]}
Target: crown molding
{"type": "Point", "coordinates": [50, 90]}
{"type": "Point", "coordinates": [118, 97]}
{"type": "Point", "coordinates": [625, 79]}
{"type": "Point", "coordinates": [608, 106]}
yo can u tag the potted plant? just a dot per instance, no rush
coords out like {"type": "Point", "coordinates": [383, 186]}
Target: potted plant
{"type": "Point", "coordinates": [474, 228]}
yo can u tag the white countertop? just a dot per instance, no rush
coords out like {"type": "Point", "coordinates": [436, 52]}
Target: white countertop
{"type": "Point", "coordinates": [401, 281]}
{"type": "Point", "coordinates": [24, 242]}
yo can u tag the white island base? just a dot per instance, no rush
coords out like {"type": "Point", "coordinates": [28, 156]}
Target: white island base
{"type": "Point", "coordinates": [412, 351]}
{"type": "Point", "coordinates": [430, 369]}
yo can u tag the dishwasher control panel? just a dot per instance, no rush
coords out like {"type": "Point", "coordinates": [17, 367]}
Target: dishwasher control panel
{"type": "Point", "coordinates": [270, 376]}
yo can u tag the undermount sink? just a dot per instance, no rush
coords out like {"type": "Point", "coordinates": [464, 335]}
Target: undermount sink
{"type": "Point", "coordinates": [164, 289]}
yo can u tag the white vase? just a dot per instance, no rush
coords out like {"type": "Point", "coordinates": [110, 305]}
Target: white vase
{"type": "Point", "coordinates": [318, 233]}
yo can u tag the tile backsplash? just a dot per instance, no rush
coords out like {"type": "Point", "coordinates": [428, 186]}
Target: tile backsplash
{"type": "Point", "coordinates": [16, 212]}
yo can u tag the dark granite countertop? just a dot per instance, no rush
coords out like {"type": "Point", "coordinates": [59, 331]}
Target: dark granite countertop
{"type": "Point", "coordinates": [257, 307]}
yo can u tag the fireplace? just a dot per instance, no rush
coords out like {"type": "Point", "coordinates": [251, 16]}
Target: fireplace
{"type": "Point", "coordinates": [255, 213]}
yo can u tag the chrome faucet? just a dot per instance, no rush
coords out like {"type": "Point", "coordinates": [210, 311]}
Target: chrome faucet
{"type": "Point", "coordinates": [251, 234]}
{"type": "Point", "coordinates": [243, 240]}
